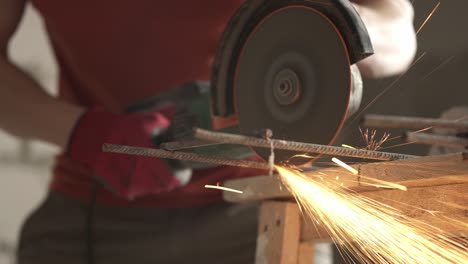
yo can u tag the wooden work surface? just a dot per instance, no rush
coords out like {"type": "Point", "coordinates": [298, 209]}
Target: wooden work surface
{"type": "Point", "coordinates": [413, 173]}
{"type": "Point", "coordinates": [435, 183]}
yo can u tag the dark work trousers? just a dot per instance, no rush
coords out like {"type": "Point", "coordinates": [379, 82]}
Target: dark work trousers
{"type": "Point", "coordinates": [56, 232]}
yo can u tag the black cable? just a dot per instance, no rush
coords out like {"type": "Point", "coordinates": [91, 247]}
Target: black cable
{"type": "Point", "coordinates": [89, 224]}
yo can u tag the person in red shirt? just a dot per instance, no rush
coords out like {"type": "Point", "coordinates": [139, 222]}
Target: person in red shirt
{"type": "Point", "coordinates": [110, 208]}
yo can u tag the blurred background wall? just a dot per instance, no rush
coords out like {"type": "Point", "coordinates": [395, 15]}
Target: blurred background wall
{"type": "Point", "coordinates": [25, 164]}
{"type": "Point", "coordinates": [438, 81]}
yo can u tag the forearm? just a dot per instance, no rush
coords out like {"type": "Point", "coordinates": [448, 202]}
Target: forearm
{"type": "Point", "coordinates": [26, 110]}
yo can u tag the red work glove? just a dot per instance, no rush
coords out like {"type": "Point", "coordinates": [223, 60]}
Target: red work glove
{"type": "Point", "coordinates": [127, 175]}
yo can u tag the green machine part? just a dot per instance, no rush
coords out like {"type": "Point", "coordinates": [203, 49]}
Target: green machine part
{"type": "Point", "coordinates": [195, 96]}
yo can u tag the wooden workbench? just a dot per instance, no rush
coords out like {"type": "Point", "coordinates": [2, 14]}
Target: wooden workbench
{"type": "Point", "coordinates": [435, 183]}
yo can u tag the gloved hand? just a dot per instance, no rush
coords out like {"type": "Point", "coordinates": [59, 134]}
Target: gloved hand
{"type": "Point", "coordinates": [191, 108]}
{"type": "Point", "coordinates": [127, 175]}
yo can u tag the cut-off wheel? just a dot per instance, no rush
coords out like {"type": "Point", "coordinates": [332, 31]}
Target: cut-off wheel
{"type": "Point", "coordinates": [293, 77]}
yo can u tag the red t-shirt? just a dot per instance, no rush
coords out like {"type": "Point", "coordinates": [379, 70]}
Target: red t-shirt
{"type": "Point", "coordinates": [113, 53]}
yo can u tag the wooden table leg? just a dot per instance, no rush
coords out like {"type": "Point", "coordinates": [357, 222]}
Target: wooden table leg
{"type": "Point", "coordinates": [306, 253]}
{"type": "Point", "coordinates": [278, 233]}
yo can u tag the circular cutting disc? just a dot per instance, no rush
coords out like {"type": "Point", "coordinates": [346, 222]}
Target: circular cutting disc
{"type": "Point", "coordinates": [293, 77]}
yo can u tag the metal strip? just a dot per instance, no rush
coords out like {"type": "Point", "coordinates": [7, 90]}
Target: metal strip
{"type": "Point", "coordinates": [159, 153]}
{"type": "Point", "coordinates": [296, 146]}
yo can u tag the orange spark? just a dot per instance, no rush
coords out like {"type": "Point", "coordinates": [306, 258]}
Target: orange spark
{"type": "Point", "coordinates": [428, 17]}
{"type": "Point", "coordinates": [384, 184]}
{"type": "Point", "coordinates": [438, 67]}
{"type": "Point", "coordinates": [372, 231]}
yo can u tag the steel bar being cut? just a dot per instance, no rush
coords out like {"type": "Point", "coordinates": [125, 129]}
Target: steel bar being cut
{"type": "Point", "coordinates": [204, 137]}
{"type": "Point", "coordinates": [159, 153]}
{"type": "Point", "coordinates": [187, 144]}
{"type": "Point", "coordinates": [386, 121]}
{"type": "Point", "coordinates": [296, 146]}
{"type": "Point", "coordinates": [440, 140]}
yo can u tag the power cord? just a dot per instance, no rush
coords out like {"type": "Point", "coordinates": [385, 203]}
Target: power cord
{"type": "Point", "coordinates": [89, 224]}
